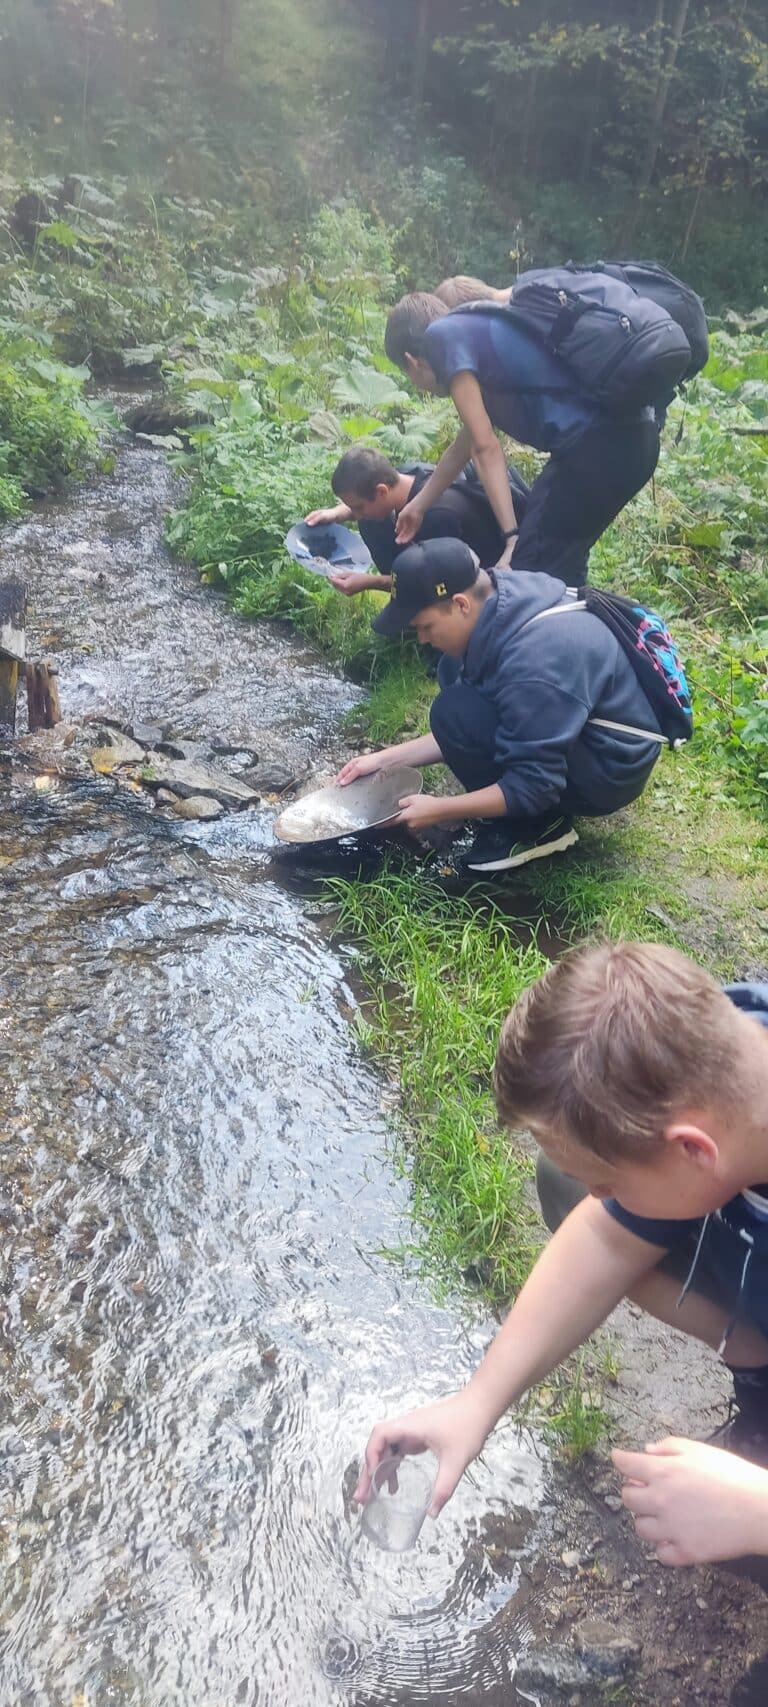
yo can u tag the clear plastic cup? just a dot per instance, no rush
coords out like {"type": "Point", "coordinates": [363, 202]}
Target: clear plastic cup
{"type": "Point", "coordinates": [400, 1497]}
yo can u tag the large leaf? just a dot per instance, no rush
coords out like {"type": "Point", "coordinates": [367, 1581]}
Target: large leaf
{"type": "Point", "coordinates": [363, 389]}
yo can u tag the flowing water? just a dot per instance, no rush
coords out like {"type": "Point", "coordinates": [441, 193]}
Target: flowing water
{"type": "Point", "coordinates": [198, 1324]}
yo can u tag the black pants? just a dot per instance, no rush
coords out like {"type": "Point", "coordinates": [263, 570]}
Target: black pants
{"type": "Point", "coordinates": [464, 724]}
{"type": "Point", "coordinates": [580, 492]}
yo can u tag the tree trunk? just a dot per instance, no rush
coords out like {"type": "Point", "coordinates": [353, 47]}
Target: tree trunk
{"type": "Point", "coordinates": [529, 125]}
{"type": "Point", "coordinates": [421, 49]}
{"type": "Point", "coordinates": [658, 108]}
{"type": "Point", "coordinates": [590, 127]}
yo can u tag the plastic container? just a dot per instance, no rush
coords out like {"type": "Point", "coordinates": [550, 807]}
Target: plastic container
{"type": "Point", "coordinates": [400, 1497]}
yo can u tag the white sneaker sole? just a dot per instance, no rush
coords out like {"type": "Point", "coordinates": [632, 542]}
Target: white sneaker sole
{"type": "Point", "coordinates": [565, 841]}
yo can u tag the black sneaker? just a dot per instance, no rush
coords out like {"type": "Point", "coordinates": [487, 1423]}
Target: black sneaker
{"type": "Point", "coordinates": [744, 1435]}
{"type": "Point", "coordinates": [506, 842]}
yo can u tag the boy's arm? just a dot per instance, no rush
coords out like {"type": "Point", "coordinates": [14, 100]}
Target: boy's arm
{"type": "Point", "coordinates": [351, 581]}
{"type": "Point", "coordinates": [588, 1266]}
{"type": "Point", "coordinates": [337, 513]}
{"type": "Point", "coordinates": [448, 469]}
{"type": "Point", "coordinates": [487, 456]}
{"type": "Point", "coordinates": [422, 750]}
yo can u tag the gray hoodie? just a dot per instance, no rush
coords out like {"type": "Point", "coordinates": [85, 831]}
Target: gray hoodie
{"type": "Point", "coordinates": [546, 679]}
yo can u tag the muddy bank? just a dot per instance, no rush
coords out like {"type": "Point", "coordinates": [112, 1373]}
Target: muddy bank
{"type": "Point", "coordinates": [199, 1325]}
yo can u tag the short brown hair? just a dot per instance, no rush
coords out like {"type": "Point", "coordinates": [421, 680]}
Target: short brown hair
{"type": "Point", "coordinates": [614, 1042]}
{"type": "Point", "coordinates": [454, 292]}
{"type": "Point", "coordinates": [360, 471]}
{"type": "Point", "coordinates": [407, 322]}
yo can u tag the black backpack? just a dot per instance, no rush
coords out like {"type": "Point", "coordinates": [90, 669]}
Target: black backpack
{"type": "Point", "coordinates": [648, 278]}
{"type": "Point", "coordinates": [625, 350]}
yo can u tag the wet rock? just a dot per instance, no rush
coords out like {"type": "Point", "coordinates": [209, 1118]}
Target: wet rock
{"type": "Point", "coordinates": [196, 806]}
{"type": "Point", "coordinates": [123, 745]}
{"type": "Point", "coordinates": [163, 415]}
{"type": "Point", "coordinates": [83, 194]}
{"type": "Point", "coordinates": [165, 441]}
{"type": "Point", "coordinates": [607, 1651]}
{"type": "Point", "coordinates": [189, 779]}
{"type": "Point", "coordinates": [225, 747]}
{"type": "Point", "coordinates": [105, 760]}
{"type": "Point", "coordinates": [557, 1672]}
{"type": "Point", "coordinates": [144, 358]}
{"type": "Point", "coordinates": [149, 734]}
{"type": "Point", "coordinates": [274, 778]}
{"type": "Point", "coordinates": [30, 211]}
{"type": "Point", "coordinates": [178, 747]}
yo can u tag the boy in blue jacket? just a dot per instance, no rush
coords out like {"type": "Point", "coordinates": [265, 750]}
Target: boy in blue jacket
{"type": "Point", "coordinates": [646, 1087]}
{"type": "Point", "coordinates": [540, 714]}
{"type": "Point", "coordinates": [502, 378]}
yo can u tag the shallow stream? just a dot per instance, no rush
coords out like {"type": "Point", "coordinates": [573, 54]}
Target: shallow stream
{"type": "Point", "coordinates": [198, 1324]}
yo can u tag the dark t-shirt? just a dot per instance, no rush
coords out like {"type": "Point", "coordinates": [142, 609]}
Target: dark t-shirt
{"type": "Point", "coordinates": [739, 1228]}
{"type": "Point", "coordinates": [527, 391]}
{"type": "Point", "coordinates": [462, 512]}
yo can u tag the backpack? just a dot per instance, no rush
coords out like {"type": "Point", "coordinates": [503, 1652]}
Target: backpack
{"type": "Point", "coordinates": [625, 350]}
{"type": "Point", "coordinates": [519, 488]}
{"type": "Point", "coordinates": [679, 300]}
{"type": "Point", "coordinates": [646, 641]}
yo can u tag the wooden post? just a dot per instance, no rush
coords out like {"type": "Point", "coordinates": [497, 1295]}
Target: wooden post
{"type": "Point", "coordinates": [54, 703]}
{"type": "Point", "coordinates": [13, 609]}
{"type": "Point", "coordinates": [43, 707]}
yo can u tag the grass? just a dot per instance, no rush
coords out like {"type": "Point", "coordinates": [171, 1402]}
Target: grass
{"type": "Point", "coordinates": [442, 976]}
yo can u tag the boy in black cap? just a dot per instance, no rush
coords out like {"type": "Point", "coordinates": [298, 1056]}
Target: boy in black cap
{"type": "Point", "coordinates": [372, 493]}
{"type": "Point", "coordinates": [540, 714]}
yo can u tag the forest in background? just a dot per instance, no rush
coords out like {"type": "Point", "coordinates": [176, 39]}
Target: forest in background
{"type": "Point", "coordinates": [485, 135]}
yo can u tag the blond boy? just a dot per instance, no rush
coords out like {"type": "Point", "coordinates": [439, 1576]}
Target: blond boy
{"type": "Point", "coordinates": [646, 1087]}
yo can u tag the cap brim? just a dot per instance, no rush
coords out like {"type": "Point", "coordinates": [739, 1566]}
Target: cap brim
{"type": "Point", "coordinates": [392, 619]}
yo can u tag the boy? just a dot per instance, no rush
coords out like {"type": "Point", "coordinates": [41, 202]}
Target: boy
{"type": "Point", "coordinates": [646, 1086]}
{"type": "Point", "coordinates": [500, 377]}
{"type": "Point", "coordinates": [540, 714]}
{"type": "Point", "coordinates": [462, 288]}
{"type": "Point", "coordinates": [373, 493]}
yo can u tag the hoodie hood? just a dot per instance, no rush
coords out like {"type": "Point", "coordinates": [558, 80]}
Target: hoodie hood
{"type": "Point", "coordinates": [517, 599]}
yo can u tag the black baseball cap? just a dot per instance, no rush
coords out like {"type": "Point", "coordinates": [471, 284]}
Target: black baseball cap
{"type": "Point", "coordinates": [430, 570]}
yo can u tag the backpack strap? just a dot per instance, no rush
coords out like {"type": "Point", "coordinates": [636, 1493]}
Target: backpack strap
{"type": "Point", "coordinates": [570, 604]}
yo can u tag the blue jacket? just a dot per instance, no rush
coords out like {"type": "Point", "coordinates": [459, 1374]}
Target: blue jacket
{"type": "Point", "coordinates": [545, 680]}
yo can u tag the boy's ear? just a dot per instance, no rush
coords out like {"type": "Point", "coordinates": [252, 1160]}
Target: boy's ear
{"type": "Point", "coordinates": [695, 1143]}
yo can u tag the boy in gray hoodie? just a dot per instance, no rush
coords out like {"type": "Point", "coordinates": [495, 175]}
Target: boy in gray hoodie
{"type": "Point", "coordinates": [540, 713]}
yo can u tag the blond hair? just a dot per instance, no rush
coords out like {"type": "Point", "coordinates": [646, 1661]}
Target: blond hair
{"type": "Point", "coordinates": [614, 1042]}
{"type": "Point", "coordinates": [456, 291]}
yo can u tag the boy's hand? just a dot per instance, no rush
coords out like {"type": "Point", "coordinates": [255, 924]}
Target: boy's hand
{"type": "Point", "coordinates": [366, 765]}
{"type": "Point", "coordinates": [349, 581]}
{"type": "Point", "coordinates": [454, 1429]}
{"type": "Point", "coordinates": [408, 522]}
{"type": "Point", "coordinates": [418, 811]}
{"type": "Point", "coordinates": [505, 560]}
{"type": "Point", "coordinates": [695, 1503]}
{"type": "Point", "coordinates": [315, 517]}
